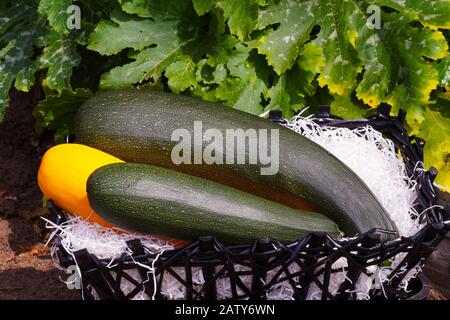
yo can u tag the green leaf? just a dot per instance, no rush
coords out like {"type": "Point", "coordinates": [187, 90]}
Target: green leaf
{"type": "Point", "coordinates": [223, 50]}
{"type": "Point", "coordinates": [57, 112]}
{"type": "Point", "coordinates": [247, 84]}
{"type": "Point", "coordinates": [418, 76]}
{"type": "Point", "coordinates": [280, 98]}
{"type": "Point", "coordinates": [60, 57]}
{"type": "Point", "coordinates": [157, 43]}
{"type": "Point", "coordinates": [345, 108]}
{"type": "Point", "coordinates": [31, 46]}
{"type": "Point", "coordinates": [434, 14]}
{"type": "Point", "coordinates": [220, 73]}
{"type": "Point", "coordinates": [289, 91]}
{"type": "Point", "coordinates": [181, 75]}
{"type": "Point", "coordinates": [203, 6]}
{"type": "Point", "coordinates": [17, 61]}
{"type": "Point", "coordinates": [204, 72]}
{"type": "Point", "coordinates": [131, 32]}
{"type": "Point", "coordinates": [16, 14]}
{"type": "Point", "coordinates": [241, 15]}
{"type": "Point", "coordinates": [25, 77]}
{"type": "Point", "coordinates": [205, 92]}
{"type": "Point", "coordinates": [443, 67]}
{"type": "Point", "coordinates": [56, 11]}
{"type": "Point", "coordinates": [436, 132]}
{"type": "Point", "coordinates": [312, 59]}
{"type": "Point", "coordinates": [282, 45]}
{"type": "Point", "coordinates": [19, 51]}
{"type": "Point", "coordinates": [16, 58]}
{"type": "Point", "coordinates": [6, 80]}
{"type": "Point", "coordinates": [137, 7]}
{"type": "Point", "coordinates": [207, 35]}
{"type": "Point", "coordinates": [92, 12]}
{"type": "Point", "coordinates": [157, 9]}
{"type": "Point", "coordinates": [148, 63]}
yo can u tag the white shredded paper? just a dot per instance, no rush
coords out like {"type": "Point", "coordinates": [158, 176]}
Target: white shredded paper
{"type": "Point", "coordinates": [371, 156]}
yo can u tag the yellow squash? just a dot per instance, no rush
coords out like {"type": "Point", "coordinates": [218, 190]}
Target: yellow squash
{"type": "Point", "coordinates": [63, 174]}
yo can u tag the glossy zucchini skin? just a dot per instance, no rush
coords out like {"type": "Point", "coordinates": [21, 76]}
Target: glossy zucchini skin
{"type": "Point", "coordinates": [136, 126]}
{"type": "Point", "coordinates": [161, 201]}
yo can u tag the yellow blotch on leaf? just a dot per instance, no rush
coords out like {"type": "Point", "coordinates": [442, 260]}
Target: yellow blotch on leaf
{"type": "Point", "coordinates": [352, 37]}
{"type": "Point", "coordinates": [333, 87]}
{"type": "Point", "coordinates": [429, 86]}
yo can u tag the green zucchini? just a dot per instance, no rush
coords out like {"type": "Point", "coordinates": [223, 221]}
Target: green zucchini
{"type": "Point", "coordinates": [161, 201]}
{"type": "Point", "coordinates": [137, 125]}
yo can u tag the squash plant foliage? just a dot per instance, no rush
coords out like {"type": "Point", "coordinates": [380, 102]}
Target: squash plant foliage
{"type": "Point", "coordinates": [254, 55]}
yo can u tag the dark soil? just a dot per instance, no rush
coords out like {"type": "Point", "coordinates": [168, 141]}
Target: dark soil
{"type": "Point", "coordinates": [26, 268]}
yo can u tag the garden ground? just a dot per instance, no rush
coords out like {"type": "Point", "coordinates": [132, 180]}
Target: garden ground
{"type": "Point", "coordinates": [26, 268]}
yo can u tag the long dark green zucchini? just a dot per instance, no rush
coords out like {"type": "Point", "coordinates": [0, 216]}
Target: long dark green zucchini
{"type": "Point", "coordinates": [164, 202]}
{"type": "Point", "coordinates": [137, 126]}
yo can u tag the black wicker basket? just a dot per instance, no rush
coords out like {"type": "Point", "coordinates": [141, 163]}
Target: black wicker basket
{"type": "Point", "coordinates": [313, 255]}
